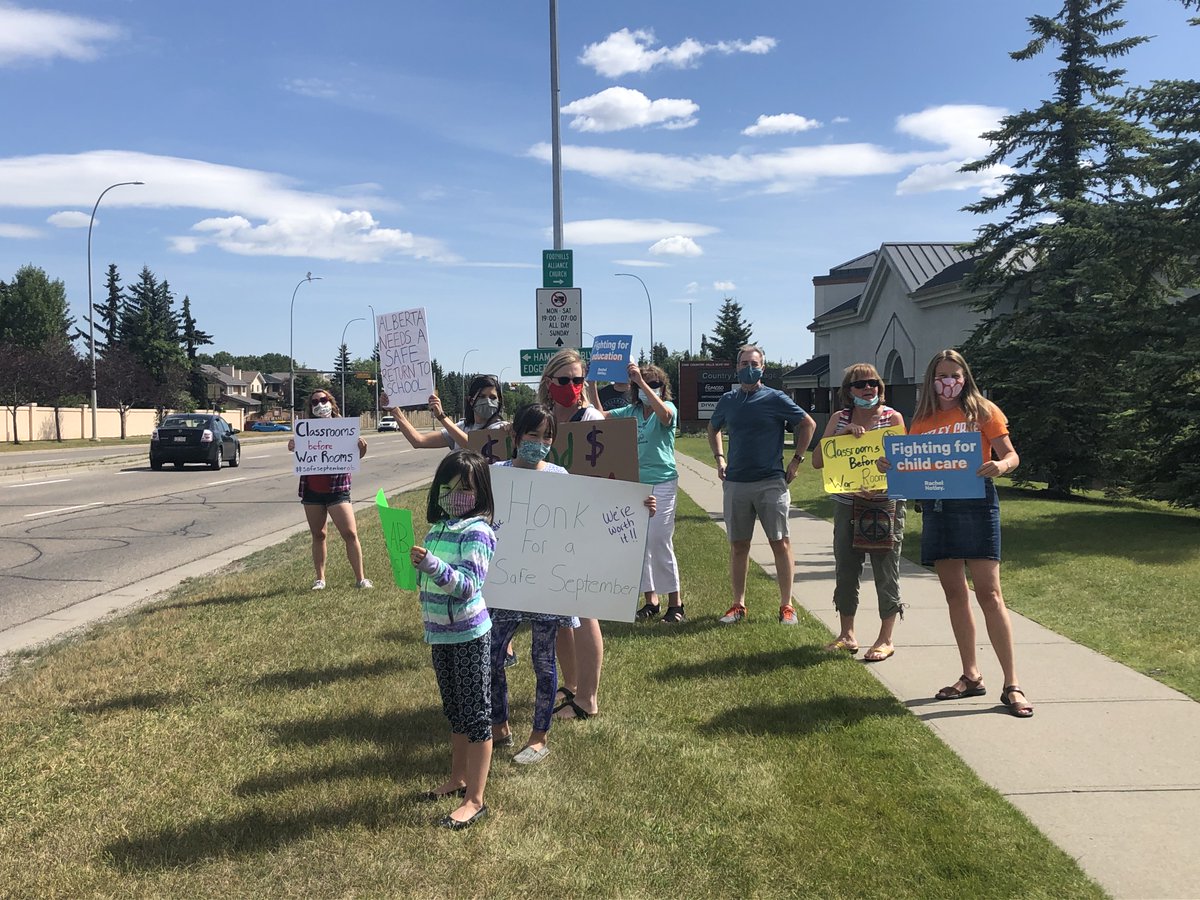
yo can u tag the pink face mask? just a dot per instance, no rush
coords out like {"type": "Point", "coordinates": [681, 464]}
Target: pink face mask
{"type": "Point", "coordinates": [947, 388]}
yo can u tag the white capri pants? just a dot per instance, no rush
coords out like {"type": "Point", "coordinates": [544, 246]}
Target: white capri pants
{"type": "Point", "coordinates": [660, 571]}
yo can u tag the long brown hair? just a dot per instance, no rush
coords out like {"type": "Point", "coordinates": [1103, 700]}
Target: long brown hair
{"type": "Point", "coordinates": [337, 413]}
{"type": "Point", "coordinates": [651, 373]}
{"type": "Point", "coordinates": [560, 360]}
{"type": "Point", "coordinates": [975, 406]}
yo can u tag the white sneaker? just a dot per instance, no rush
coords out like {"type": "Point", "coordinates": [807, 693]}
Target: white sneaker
{"type": "Point", "coordinates": [319, 584]}
{"type": "Point", "coordinates": [365, 584]}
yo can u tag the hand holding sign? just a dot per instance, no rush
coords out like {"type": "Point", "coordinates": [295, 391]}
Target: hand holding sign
{"type": "Point", "coordinates": [398, 534]}
{"type": "Point", "coordinates": [934, 466]}
{"type": "Point", "coordinates": [404, 362]}
{"type": "Point", "coordinates": [849, 461]}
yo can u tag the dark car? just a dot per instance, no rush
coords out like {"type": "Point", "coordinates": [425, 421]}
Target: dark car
{"type": "Point", "coordinates": [270, 426]}
{"type": "Point", "coordinates": [194, 437]}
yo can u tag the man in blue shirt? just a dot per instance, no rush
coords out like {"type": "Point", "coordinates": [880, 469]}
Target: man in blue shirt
{"type": "Point", "coordinates": [755, 482]}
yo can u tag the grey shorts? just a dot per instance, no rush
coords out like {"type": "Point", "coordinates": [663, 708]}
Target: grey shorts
{"type": "Point", "coordinates": [767, 500]}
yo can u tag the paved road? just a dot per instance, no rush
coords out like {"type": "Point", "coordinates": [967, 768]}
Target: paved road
{"type": "Point", "coordinates": [73, 533]}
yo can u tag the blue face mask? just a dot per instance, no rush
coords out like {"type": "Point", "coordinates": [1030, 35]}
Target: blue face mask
{"type": "Point", "coordinates": [750, 375]}
{"type": "Point", "coordinates": [864, 403]}
{"type": "Point", "coordinates": [532, 452]}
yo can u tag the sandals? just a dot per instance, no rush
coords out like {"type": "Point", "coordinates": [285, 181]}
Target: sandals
{"type": "Point", "coordinates": [580, 714]}
{"type": "Point", "coordinates": [567, 694]}
{"type": "Point", "coordinates": [649, 611]}
{"type": "Point", "coordinates": [879, 654]}
{"type": "Point", "coordinates": [674, 615]}
{"type": "Point", "coordinates": [1022, 708]}
{"type": "Point", "coordinates": [842, 644]}
{"type": "Point", "coordinates": [972, 687]}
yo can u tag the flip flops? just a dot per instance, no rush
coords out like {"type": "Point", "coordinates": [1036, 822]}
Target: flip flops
{"type": "Point", "coordinates": [879, 654]}
{"type": "Point", "coordinates": [579, 713]}
{"type": "Point", "coordinates": [842, 644]}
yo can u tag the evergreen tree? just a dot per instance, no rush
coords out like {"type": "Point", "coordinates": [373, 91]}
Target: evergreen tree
{"type": "Point", "coordinates": [1065, 288]}
{"type": "Point", "coordinates": [150, 330]}
{"type": "Point", "coordinates": [730, 332]}
{"type": "Point", "coordinates": [108, 315]}
{"type": "Point", "coordinates": [192, 338]}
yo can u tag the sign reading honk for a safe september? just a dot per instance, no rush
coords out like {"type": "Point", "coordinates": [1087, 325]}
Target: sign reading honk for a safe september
{"type": "Point", "coordinates": [848, 462]}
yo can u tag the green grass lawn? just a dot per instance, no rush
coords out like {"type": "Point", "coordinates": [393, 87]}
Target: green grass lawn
{"type": "Point", "coordinates": [246, 737]}
{"type": "Point", "coordinates": [133, 442]}
{"type": "Point", "coordinates": [1119, 576]}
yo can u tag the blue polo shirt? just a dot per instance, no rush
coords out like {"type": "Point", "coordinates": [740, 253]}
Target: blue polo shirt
{"type": "Point", "coordinates": [755, 422]}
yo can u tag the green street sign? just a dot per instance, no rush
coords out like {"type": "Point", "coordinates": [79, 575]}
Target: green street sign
{"type": "Point", "coordinates": [557, 268]}
{"type": "Point", "coordinates": [533, 361]}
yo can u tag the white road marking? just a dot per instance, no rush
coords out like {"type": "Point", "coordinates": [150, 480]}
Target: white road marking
{"type": "Point", "coordinates": [36, 483]}
{"type": "Point", "coordinates": [50, 512]}
{"type": "Point", "coordinates": [263, 456]}
{"type": "Point", "coordinates": [226, 481]}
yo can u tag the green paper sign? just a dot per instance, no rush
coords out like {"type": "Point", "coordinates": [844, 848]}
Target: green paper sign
{"type": "Point", "coordinates": [398, 534]}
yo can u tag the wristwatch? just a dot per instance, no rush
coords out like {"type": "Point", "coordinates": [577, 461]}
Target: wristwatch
{"type": "Point", "coordinates": [798, 457]}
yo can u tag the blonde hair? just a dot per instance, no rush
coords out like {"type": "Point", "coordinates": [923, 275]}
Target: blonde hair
{"type": "Point", "coordinates": [975, 406]}
{"type": "Point", "coordinates": [558, 361]}
{"type": "Point", "coordinates": [651, 373]}
{"type": "Point", "coordinates": [860, 372]}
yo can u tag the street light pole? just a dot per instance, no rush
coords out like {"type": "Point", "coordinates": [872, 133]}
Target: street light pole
{"type": "Point", "coordinates": [690, 302]}
{"type": "Point", "coordinates": [649, 306]}
{"type": "Point", "coordinates": [345, 359]}
{"type": "Point", "coordinates": [375, 331]}
{"type": "Point", "coordinates": [291, 345]}
{"type": "Point", "coordinates": [91, 309]}
{"type": "Point", "coordinates": [464, 378]}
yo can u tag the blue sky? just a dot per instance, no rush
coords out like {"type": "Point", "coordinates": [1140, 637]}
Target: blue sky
{"type": "Point", "coordinates": [401, 152]}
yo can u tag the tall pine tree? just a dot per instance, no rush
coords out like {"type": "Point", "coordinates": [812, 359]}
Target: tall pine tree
{"type": "Point", "coordinates": [193, 338]}
{"type": "Point", "coordinates": [730, 332]}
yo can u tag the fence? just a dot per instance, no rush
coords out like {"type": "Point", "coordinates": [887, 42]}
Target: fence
{"type": "Point", "coordinates": [36, 423]}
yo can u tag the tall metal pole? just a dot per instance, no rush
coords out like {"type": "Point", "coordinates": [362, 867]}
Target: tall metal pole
{"type": "Point", "coordinates": [291, 346]}
{"type": "Point", "coordinates": [690, 302]}
{"type": "Point", "coordinates": [91, 309]}
{"type": "Point", "coordinates": [555, 142]}
{"type": "Point", "coordinates": [375, 331]}
{"type": "Point", "coordinates": [648, 304]}
{"type": "Point", "coordinates": [464, 378]}
{"type": "Point", "coordinates": [345, 359]}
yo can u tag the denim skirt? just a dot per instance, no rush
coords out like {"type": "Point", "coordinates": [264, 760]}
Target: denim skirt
{"type": "Point", "coordinates": [961, 529]}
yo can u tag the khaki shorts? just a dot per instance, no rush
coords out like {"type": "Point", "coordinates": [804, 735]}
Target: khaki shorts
{"type": "Point", "coordinates": [767, 500]}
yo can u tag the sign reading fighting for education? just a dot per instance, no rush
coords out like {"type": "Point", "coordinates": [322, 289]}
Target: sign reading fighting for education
{"type": "Point", "coordinates": [559, 317]}
{"type": "Point", "coordinates": [848, 463]}
{"type": "Point", "coordinates": [600, 448]}
{"type": "Point", "coordinates": [404, 362]}
{"type": "Point", "coordinates": [533, 362]}
{"type": "Point", "coordinates": [934, 466]}
{"type": "Point", "coordinates": [611, 354]}
{"type": "Point", "coordinates": [565, 545]}
{"type": "Point", "coordinates": [557, 266]}
{"type": "Point", "coordinates": [326, 446]}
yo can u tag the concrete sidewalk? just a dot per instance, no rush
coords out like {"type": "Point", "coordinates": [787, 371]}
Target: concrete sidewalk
{"type": "Point", "coordinates": [1108, 767]}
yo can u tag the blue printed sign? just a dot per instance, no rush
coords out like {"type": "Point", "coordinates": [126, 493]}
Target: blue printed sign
{"type": "Point", "coordinates": [934, 466]}
{"type": "Point", "coordinates": [610, 357]}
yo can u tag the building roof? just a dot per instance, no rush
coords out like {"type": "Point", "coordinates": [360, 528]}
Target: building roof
{"type": "Point", "coordinates": [818, 365]}
{"type": "Point", "coordinates": [917, 264]}
{"type": "Point", "coordinates": [214, 374]}
{"type": "Point", "coordinates": [846, 306]}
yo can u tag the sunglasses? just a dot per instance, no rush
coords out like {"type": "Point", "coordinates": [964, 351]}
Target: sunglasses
{"type": "Point", "coordinates": [866, 383]}
{"type": "Point", "coordinates": [655, 385]}
{"type": "Point", "coordinates": [564, 380]}
{"type": "Point", "coordinates": [315, 400]}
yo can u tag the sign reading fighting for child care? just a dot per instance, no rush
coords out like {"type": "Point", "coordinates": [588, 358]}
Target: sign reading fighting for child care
{"type": "Point", "coordinates": [601, 449]}
{"type": "Point", "coordinates": [934, 466]}
{"type": "Point", "coordinates": [848, 462]}
{"type": "Point", "coordinates": [566, 545]}
{"type": "Point", "coordinates": [405, 369]}
{"type": "Point", "coordinates": [326, 446]}
{"type": "Point", "coordinates": [611, 355]}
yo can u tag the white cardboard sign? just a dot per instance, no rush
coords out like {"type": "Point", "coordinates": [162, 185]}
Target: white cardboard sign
{"type": "Point", "coordinates": [326, 446]}
{"type": "Point", "coordinates": [404, 361]}
{"type": "Point", "coordinates": [567, 544]}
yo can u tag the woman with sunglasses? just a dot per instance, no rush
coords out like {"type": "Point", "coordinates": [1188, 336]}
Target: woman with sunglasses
{"type": "Point", "coordinates": [656, 416]}
{"type": "Point", "coordinates": [485, 409]}
{"type": "Point", "coordinates": [863, 410]}
{"type": "Point", "coordinates": [580, 650]}
{"type": "Point", "coordinates": [328, 497]}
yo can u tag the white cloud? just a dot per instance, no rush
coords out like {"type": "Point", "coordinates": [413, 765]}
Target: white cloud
{"type": "Point", "coordinates": [641, 263]}
{"type": "Point", "coordinates": [724, 286]}
{"type": "Point", "coordinates": [839, 120]}
{"type": "Point", "coordinates": [629, 231]}
{"type": "Point", "coordinates": [958, 127]}
{"type": "Point", "coordinates": [35, 34]}
{"type": "Point", "coordinates": [676, 245]}
{"type": "Point", "coordinates": [625, 51]}
{"type": "Point", "coordinates": [18, 232]}
{"type": "Point", "coordinates": [784, 123]}
{"type": "Point", "coordinates": [618, 108]}
{"type": "Point", "coordinates": [262, 213]}
{"type": "Point", "coordinates": [947, 177]}
{"type": "Point", "coordinates": [70, 218]}
{"type": "Point", "coordinates": [693, 287]}
{"type": "Point", "coordinates": [312, 87]}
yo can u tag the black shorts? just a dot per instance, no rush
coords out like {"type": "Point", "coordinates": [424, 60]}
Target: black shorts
{"type": "Point", "coordinates": [316, 498]}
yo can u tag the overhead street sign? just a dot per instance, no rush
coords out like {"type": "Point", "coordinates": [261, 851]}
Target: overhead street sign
{"type": "Point", "coordinates": [559, 317]}
{"type": "Point", "coordinates": [557, 268]}
{"type": "Point", "coordinates": [533, 361]}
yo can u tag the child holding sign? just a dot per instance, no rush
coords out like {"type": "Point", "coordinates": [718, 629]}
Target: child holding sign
{"type": "Point", "coordinates": [865, 522]}
{"type": "Point", "coordinates": [451, 570]}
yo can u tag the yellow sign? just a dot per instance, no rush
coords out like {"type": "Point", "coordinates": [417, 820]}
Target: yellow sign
{"type": "Point", "coordinates": [849, 461]}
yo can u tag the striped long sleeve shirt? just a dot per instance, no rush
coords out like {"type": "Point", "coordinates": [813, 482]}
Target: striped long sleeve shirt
{"type": "Point", "coordinates": [450, 580]}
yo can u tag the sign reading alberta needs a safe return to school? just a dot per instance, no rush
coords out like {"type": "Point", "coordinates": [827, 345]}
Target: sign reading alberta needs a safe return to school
{"type": "Point", "coordinates": [934, 466]}
{"type": "Point", "coordinates": [557, 269]}
{"type": "Point", "coordinates": [559, 317]}
{"type": "Point", "coordinates": [534, 361]}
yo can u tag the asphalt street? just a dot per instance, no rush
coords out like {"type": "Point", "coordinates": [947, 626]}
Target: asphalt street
{"type": "Point", "coordinates": [72, 532]}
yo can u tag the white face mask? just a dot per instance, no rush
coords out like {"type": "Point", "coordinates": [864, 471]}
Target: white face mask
{"type": "Point", "coordinates": [644, 396]}
{"type": "Point", "coordinates": [323, 410]}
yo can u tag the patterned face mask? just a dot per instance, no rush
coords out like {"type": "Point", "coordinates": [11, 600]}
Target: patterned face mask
{"type": "Point", "coordinates": [455, 503]}
{"type": "Point", "coordinates": [533, 452]}
{"type": "Point", "coordinates": [947, 388]}
{"type": "Point", "coordinates": [485, 408]}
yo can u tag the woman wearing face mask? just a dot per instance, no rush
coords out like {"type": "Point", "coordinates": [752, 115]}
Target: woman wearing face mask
{"type": "Point", "coordinates": [328, 496]}
{"type": "Point", "coordinates": [863, 410]}
{"type": "Point", "coordinates": [955, 532]}
{"type": "Point", "coordinates": [651, 407]}
{"type": "Point", "coordinates": [485, 409]}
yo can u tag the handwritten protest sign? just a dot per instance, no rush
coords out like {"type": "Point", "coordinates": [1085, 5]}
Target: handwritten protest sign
{"type": "Point", "coordinates": [610, 357]}
{"type": "Point", "coordinates": [934, 466]}
{"type": "Point", "coordinates": [326, 446]}
{"type": "Point", "coordinates": [398, 535]}
{"type": "Point", "coordinates": [564, 545]}
{"type": "Point", "coordinates": [849, 462]}
{"type": "Point", "coordinates": [404, 363]}
{"type": "Point", "coordinates": [601, 449]}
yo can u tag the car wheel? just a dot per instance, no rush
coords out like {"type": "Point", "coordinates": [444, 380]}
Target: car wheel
{"type": "Point", "coordinates": [216, 460]}
{"type": "Point", "coordinates": [155, 464]}
{"type": "Point", "coordinates": [237, 456]}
